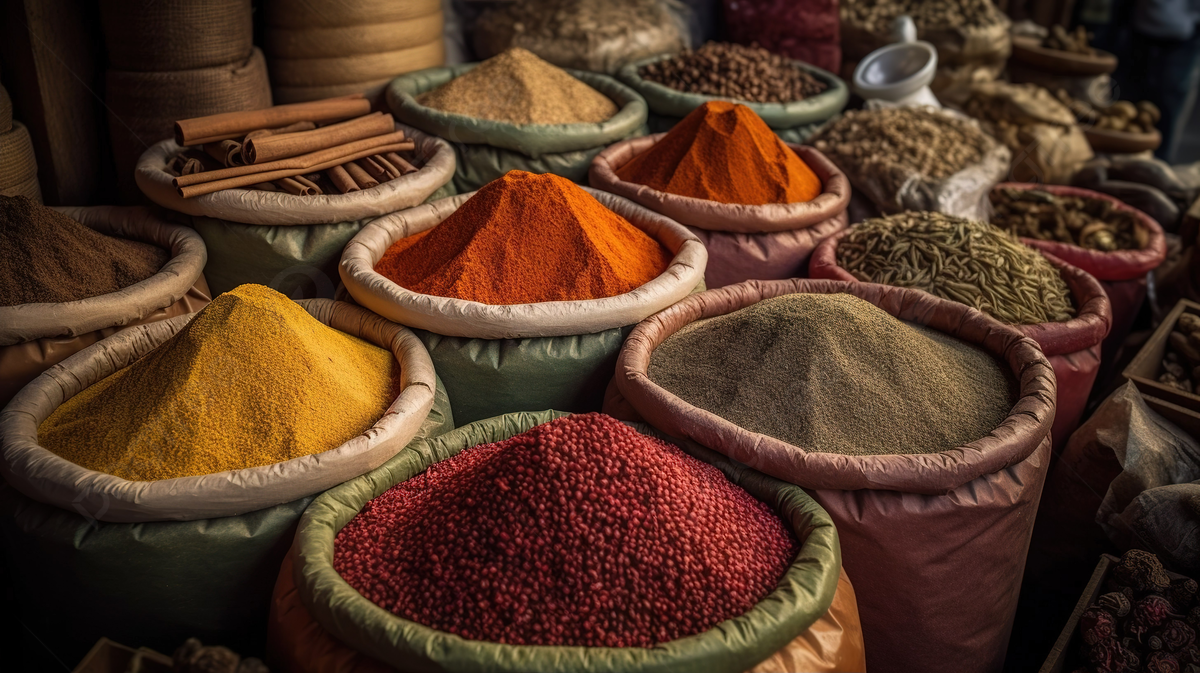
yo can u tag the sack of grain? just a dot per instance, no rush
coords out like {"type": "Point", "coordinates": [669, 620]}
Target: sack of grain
{"type": "Point", "coordinates": [743, 242]}
{"type": "Point", "coordinates": [208, 578]}
{"type": "Point", "coordinates": [500, 358]}
{"type": "Point", "coordinates": [487, 148]}
{"type": "Point", "coordinates": [35, 337]}
{"type": "Point", "coordinates": [359, 632]}
{"type": "Point", "coordinates": [433, 156]}
{"type": "Point", "coordinates": [927, 537]}
{"type": "Point", "coordinates": [176, 34]}
{"type": "Point", "coordinates": [18, 166]}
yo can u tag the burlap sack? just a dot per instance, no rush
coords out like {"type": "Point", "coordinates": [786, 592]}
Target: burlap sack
{"type": "Point", "coordinates": [176, 35]}
{"type": "Point", "coordinates": [332, 13]}
{"type": "Point", "coordinates": [456, 317]}
{"type": "Point", "coordinates": [252, 206]}
{"type": "Point", "coordinates": [17, 161]}
{"type": "Point", "coordinates": [936, 542]}
{"type": "Point", "coordinates": [34, 337]}
{"type": "Point", "coordinates": [1073, 347]}
{"type": "Point", "coordinates": [45, 477]}
{"type": "Point", "coordinates": [328, 41]}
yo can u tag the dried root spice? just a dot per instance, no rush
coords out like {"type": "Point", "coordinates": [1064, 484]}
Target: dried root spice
{"type": "Point", "coordinates": [1123, 115]}
{"type": "Point", "coordinates": [1181, 365]}
{"type": "Point", "coordinates": [877, 15]}
{"type": "Point", "coordinates": [832, 373]}
{"type": "Point", "coordinates": [734, 71]}
{"type": "Point", "coordinates": [965, 261]}
{"type": "Point", "coordinates": [1095, 224]}
{"type": "Point", "coordinates": [577, 532]}
{"type": "Point", "coordinates": [1076, 41]}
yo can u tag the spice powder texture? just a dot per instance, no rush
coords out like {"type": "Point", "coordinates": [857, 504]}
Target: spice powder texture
{"type": "Point", "coordinates": [724, 152]}
{"type": "Point", "coordinates": [526, 238]}
{"type": "Point", "coordinates": [253, 380]}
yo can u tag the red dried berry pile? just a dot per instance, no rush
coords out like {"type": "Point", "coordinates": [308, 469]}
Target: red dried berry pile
{"type": "Point", "coordinates": [580, 531]}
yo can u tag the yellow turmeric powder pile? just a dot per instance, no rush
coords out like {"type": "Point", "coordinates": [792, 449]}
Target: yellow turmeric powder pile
{"type": "Point", "coordinates": [253, 380]}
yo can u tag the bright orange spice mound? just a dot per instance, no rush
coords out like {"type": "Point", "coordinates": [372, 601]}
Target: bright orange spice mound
{"type": "Point", "coordinates": [724, 152]}
{"type": "Point", "coordinates": [523, 239]}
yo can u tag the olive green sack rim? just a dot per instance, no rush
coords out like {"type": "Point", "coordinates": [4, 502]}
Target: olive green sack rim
{"type": "Point", "coordinates": [668, 102]}
{"type": "Point", "coordinates": [531, 140]}
{"type": "Point", "coordinates": [810, 581]}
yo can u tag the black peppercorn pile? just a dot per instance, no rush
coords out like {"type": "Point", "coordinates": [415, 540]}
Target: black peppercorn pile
{"type": "Point", "coordinates": [734, 71]}
{"type": "Point", "coordinates": [1144, 621]}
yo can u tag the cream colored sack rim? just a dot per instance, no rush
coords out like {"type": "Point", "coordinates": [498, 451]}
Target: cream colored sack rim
{"type": "Point", "coordinates": [251, 206]}
{"type": "Point", "coordinates": [27, 322]}
{"type": "Point", "coordinates": [45, 477]}
{"type": "Point", "coordinates": [457, 317]}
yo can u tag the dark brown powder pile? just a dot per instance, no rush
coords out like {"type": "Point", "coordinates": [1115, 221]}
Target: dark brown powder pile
{"type": "Point", "coordinates": [836, 374]}
{"type": "Point", "coordinates": [520, 88]}
{"type": "Point", "coordinates": [46, 257]}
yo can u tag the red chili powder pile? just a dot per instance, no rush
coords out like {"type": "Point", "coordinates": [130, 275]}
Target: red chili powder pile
{"type": "Point", "coordinates": [580, 531]}
{"type": "Point", "coordinates": [527, 238]}
{"type": "Point", "coordinates": [724, 152]}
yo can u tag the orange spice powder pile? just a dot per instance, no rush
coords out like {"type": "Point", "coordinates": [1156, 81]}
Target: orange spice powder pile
{"type": "Point", "coordinates": [523, 239]}
{"type": "Point", "coordinates": [724, 152]}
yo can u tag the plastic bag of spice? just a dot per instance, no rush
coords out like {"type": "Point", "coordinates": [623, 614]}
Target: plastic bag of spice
{"type": "Point", "coordinates": [209, 578]}
{"type": "Point", "coordinates": [434, 158]}
{"type": "Point", "coordinates": [487, 149]}
{"type": "Point", "coordinates": [743, 242]}
{"type": "Point", "coordinates": [374, 639]}
{"type": "Point", "coordinates": [35, 337]}
{"type": "Point", "coordinates": [44, 476]}
{"type": "Point", "coordinates": [928, 537]}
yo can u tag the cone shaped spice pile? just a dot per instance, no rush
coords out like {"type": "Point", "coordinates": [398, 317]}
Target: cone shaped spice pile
{"type": "Point", "coordinates": [253, 380]}
{"type": "Point", "coordinates": [836, 374]}
{"type": "Point", "coordinates": [580, 531]}
{"type": "Point", "coordinates": [724, 152]}
{"type": "Point", "coordinates": [527, 238]}
{"type": "Point", "coordinates": [47, 257]}
{"type": "Point", "coordinates": [521, 88]}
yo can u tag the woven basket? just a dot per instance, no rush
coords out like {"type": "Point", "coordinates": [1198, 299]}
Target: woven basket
{"type": "Point", "coordinates": [143, 106]}
{"type": "Point", "coordinates": [357, 67]}
{"type": "Point", "coordinates": [329, 13]}
{"type": "Point", "coordinates": [30, 188]}
{"type": "Point", "coordinates": [168, 35]}
{"type": "Point", "coordinates": [5, 111]}
{"type": "Point", "coordinates": [373, 90]}
{"type": "Point", "coordinates": [333, 41]}
{"type": "Point", "coordinates": [17, 163]}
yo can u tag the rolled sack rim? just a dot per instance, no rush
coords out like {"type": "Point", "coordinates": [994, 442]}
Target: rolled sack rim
{"type": "Point", "coordinates": [1093, 310]}
{"type": "Point", "coordinates": [726, 217]}
{"type": "Point", "coordinates": [252, 206]}
{"type": "Point", "coordinates": [46, 477]}
{"type": "Point", "coordinates": [1117, 265]}
{"type": "Point", "coordinates": [801, 596]}
{"type": "Point", "coordinates": [532, 140]}
{"type": "Point", "coordinates": [28, 322]}
{"type": "Point", "coordinates": [663, 100]}
{"type": "Point", "coordinates": [461, 318]}
{"type": "Point", "coordinates": [1015, 439]}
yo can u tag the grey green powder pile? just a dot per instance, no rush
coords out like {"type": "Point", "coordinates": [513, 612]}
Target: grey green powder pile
{"type": "Point", "coordinates": [836, 374]}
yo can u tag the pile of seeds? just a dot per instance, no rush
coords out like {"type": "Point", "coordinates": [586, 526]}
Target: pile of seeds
{"type": "Point", "coordinates": [521, 88]}
{"type": "Point", "coordinates": [877, 15]}
{"type": "Point", "coordinates": [584, 20]}
{"type": "Point", "coordinates": [965, 261]}
{"type": "Point", "coordinates": [734, 71]}
{"type": "Point", "coordinates": [47, 257]}
{"type": "Point", "coordinates": [1095, 224]}
{"type": "Point", "coordinates": [835, 374]}
{"type": "Point", "coordinates": [1181, 365]}
{"type": "Point", "coordinates": [580, 531]}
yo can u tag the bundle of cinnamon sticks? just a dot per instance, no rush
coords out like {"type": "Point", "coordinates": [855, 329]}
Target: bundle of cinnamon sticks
{"type": "Point", "coordinates": [335, 145]}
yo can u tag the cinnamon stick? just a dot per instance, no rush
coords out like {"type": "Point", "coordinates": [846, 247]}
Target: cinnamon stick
{"type": "Point", "coordinates": [227, 152]}
{"type": "Point", "coordinates": [200, 189]}
{"type": "Point", "coordinates": [290, 128]}
{"type": "Point", "coordinates": [272, 148]}
{"type": "Point", "coordinates": [361, 177]}
{"type": "Point", "coordinates": [372, 168]}
{"type": "Point", "coordinates": [312, 186]}
{"type": "Point", "coordinates": [399, 162]}
{"type": "Point", "coordinates": [391, 171]}
{"type": "Point", "coordinates": [341, 179]}
{"type": "Point", "coordinates": [304, 161]}
{"type": "Point", "coordinates": [216, 127]}
{"type": "Point", "coordinates": [293, 186]}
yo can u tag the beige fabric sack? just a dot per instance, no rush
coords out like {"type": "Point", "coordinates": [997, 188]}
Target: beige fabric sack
{"type": "Point", "coordinates": [456, 317]}
{"type": "Point", "coordinates": [252, 206]}
{"type": "Point", "coordinates": [43, 476]}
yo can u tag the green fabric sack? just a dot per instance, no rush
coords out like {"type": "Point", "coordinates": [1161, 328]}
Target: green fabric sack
{"type": "Point", "coordinates": [667, 102]}
{"type": "Point", "coordinates": [803, 595]}
{"type": "Point", "coordinates": [478, 165]}
{"type": "Point", "coordinates": [532, 140]}
{"type": "Point", "coordinates": [152, 584]}
{"type": "Point", "coordinates": [299, 261]}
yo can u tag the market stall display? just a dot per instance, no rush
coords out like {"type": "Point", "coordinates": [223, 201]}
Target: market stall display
{"type": "Point", "coordinates": [791, 97]}
{"type": "Point", "coordinates": [807, 32]}
{"type": "Point", "coordinates": [970, 507]}
{"type": "Point", "coordinates": [1120, 127]}
{"type": "Point", "coordinates": [760, 206]}
{"type": "Point", "coordinates": [74, 276]}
